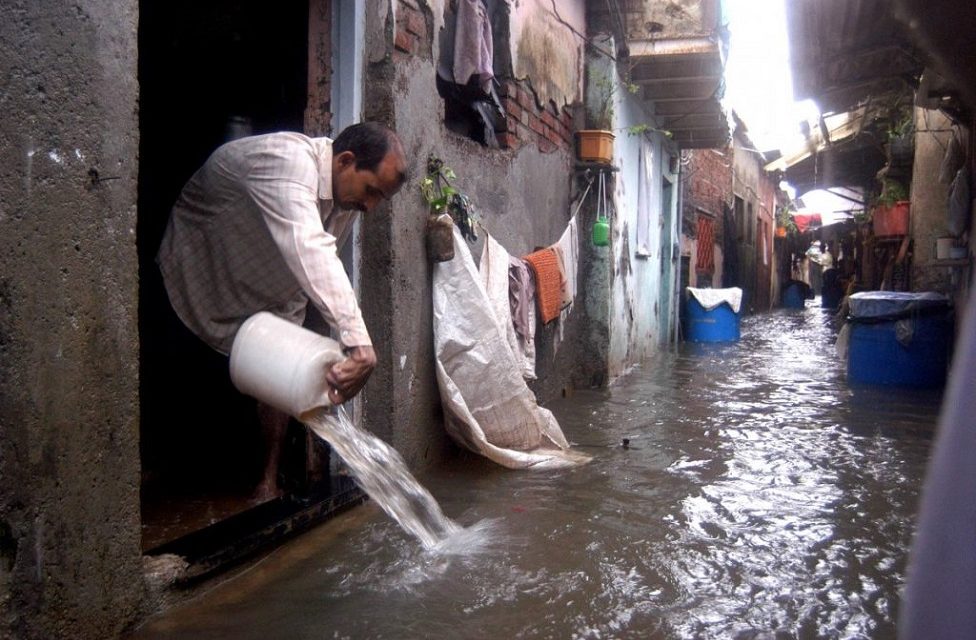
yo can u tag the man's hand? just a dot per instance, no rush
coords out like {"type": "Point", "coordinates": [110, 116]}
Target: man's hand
{"type": "Point", "coordinates": [346, 378]}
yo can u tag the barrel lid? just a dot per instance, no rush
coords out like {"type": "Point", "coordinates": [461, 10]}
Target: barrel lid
{"type": "Point", "coordinates": [880, 305]}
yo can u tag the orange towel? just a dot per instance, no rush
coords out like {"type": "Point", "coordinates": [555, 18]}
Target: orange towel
{"type": "Point", "coordinates": [548, 282]}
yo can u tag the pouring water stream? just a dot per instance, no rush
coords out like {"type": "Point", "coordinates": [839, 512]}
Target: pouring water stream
{"type": "Point", "coordinates": [383, 475]}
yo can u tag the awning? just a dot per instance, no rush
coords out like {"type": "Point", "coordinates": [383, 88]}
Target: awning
{"type": "Point", "coordinates": [837, 152]}
{"type": "Point", "coordinates": [806, 221]}
{"type": "Point", "coordinates": [683, 78]}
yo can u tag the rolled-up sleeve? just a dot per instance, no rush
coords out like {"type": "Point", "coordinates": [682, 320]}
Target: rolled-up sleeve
{"type": "Point", "coordinates": [282, 183]}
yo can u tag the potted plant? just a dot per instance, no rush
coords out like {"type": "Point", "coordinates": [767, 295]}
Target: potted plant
{"type": "Point", "coordinates": [889, 216]}
{"type": "Point", "coordinates": [447, 207]}
{"type": "Point", "coordinates": [596, 141]}
{"type": "Point", "coordinates": [901, 142]}
{"type": "Point", "coordinates": [784, 221]}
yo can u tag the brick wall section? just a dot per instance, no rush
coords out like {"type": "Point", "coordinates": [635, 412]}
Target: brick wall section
{"type": "Point", "coordinates": [708, 185]}
{"type": "Point", "coordinates": [413, 35]}
{"type": "Point", "coordinates": [318, 108]}
{"type": "Point", "coordinates": [548, 127]}
{"type": "Point", "coordinates": [526, 121]}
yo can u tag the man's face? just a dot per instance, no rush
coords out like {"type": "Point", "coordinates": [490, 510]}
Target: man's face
{"type": "Point", "coordinates": [362, 190]}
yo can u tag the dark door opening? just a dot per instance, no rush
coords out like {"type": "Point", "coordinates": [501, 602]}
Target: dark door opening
{"type": "Point", "coordinates": [205, 68]}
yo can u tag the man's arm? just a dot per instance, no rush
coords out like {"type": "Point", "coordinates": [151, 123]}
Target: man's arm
{"type": "Point", "coordinates": [284, 188]}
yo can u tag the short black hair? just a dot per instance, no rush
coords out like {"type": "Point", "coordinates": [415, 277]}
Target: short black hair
{"type": "Point", "coordinates": [369, 142]}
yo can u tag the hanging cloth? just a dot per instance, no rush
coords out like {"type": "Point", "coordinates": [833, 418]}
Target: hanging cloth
{"type": "Point", "coordinates": [473, 45]}
{"type": "Point", "coordinates": [567, 250]}
{"type": "Point", "coordinates": [548, 283]}
{"type": "Point", "coordinates": [521, 296]}
{"type": "Point", "coordinates": [706, 251]}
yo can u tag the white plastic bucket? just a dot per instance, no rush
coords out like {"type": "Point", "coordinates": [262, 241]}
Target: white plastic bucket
{"type": "Point", "coordinates": [282, 364]}
{"type": "Point", "coordinates": [943, 248]}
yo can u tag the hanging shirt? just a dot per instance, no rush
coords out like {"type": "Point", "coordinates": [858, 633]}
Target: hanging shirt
{"type": "Point", "coordinates": [254, 230]}
{"type": "Point", "coordinates": [473, 45]}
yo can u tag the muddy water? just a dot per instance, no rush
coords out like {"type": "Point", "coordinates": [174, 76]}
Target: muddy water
{"type": "Point", "coordinates": [759, 497]}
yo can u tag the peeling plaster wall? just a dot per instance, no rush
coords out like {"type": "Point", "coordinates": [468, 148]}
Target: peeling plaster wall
{"type": "Point", "coordinates": [523, 198]}
{"type": "Point", "coordinates": [546, 51]}
{"type": "Point", "coordinates": [70, 560]}
{"type": "Point", "coordinates": [639, 321]}
{"type": "Point", "coordinates": [655, 19]}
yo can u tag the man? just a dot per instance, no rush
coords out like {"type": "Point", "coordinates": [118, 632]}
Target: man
{"type": "Point", "coordinates": [258, 228]}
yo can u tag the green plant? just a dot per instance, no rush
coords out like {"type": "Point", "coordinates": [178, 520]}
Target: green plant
{"type": "Point", "coordinates": [435, 186]}
{"type": "Point", "coordinates": [442, 197]}
{"type": "Point", "coordinates": [640, 129]}
{"type": "Point", "coordinates": [861, 216]}
{"type": "Point", "coordinates": [599, 114]}
{"type": "Point", "coordinates": [901, 125]}
{"type": "Point", "coordinates": [784, 219]}
{"type": "Point", "coordinates": [892, 191]}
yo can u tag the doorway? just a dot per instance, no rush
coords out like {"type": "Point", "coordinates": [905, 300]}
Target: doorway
{"type": "Point", "coordinates": [208, 72]}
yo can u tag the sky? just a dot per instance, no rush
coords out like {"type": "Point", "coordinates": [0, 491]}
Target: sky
{"type": "Point", "coordinates": [759, 86]}
{"type": "Point", "coordinates": [757, 73]}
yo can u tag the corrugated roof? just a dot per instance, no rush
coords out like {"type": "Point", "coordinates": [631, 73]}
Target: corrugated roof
{"type": "Point", "coordinates": [845, 50]}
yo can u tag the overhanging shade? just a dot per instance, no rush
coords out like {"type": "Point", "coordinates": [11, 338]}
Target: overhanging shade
{"type": "Point", "coordinates": [841, 152]}
{"type": "Point", "coordinates": [842, 51]}
{"type": "Point", "coordinates": [683, 78]}
{"type": "Point", "coordinates": [807, 221]}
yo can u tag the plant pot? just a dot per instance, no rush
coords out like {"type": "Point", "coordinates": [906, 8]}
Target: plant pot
{"type": "Point", "coordinates": [440, 238]}
{"type": "Point", "coordinates": [891, 220]}
{"type": "Point", "coordinates": [780, 232]}
{"type": "Point", "coordinates": [595, 145]}
{"type": "Point", "coordinates": [901, 150]}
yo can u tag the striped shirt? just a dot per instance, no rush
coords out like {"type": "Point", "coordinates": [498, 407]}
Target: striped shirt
{"type": "Point", "coordinates": [254, 230]}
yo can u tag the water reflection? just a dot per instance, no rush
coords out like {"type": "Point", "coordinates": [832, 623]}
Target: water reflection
{"type": "Point", "coordinates": [759, 497]}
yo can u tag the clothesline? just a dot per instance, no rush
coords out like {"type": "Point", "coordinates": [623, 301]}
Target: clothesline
{"type": "Point", "coordinates": [579, 205]}
{"type": "Point", "coordinates": [544, 281]}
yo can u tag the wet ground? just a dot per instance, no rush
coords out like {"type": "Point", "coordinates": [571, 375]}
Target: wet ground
{"type": "Point", "coordinates": [760, 497]}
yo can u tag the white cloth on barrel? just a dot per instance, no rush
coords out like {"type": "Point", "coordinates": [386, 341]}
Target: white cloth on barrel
{"type": "Point", "coordinates": [711, 298]}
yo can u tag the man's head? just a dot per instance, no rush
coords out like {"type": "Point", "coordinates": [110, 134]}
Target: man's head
{"type": "Point", "coordinates": [368, 166]}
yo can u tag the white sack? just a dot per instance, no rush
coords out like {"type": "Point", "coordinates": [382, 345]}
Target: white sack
{"type": "Point", "coordinates": [487, 406]}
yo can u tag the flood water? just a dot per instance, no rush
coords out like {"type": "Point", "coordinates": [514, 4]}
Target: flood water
{"type": "Point", "coordinates": [760, 497]}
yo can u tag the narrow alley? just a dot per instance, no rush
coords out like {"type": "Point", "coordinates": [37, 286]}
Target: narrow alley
{"type": "Point", "coordinates": [568, 319]}
{"type": "Point", "coordinates": [758, 493]}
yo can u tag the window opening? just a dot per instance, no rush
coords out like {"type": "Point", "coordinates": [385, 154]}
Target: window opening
{"type": "Point", "coordinates": [750, 224]}
{"type": "Point", "coordinates": [739, 212]}
{"type": "Point", "coordinates": [645, 187]}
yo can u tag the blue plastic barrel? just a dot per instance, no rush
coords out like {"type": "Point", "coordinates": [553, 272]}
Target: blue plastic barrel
{"type": "Point", "coordinates": [794, 296]}
{"type": "Point", "coordinates": [875, 355]}
{"type": "Point", "coordinates": [720, 324]}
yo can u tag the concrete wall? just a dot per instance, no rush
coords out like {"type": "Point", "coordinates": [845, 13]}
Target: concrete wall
{"type": "Point", "coordinates": [765, 259]}
{"type": "Point", "coordinates": [641, 292]}
{"type": "Point", "coordinates": [522, 195]}
{"type": "Point", "coordinates": [746, 175]}
{"type": "Point", "coordinates": [929, 197]}
{"type": "Point", "coordinates": [69, 456]}
{"type": "Point", "coordinates": [652, 19]}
